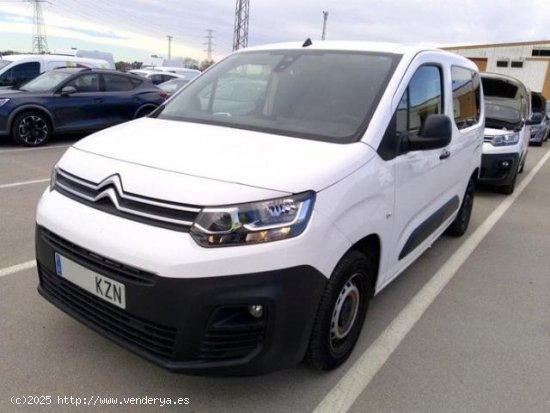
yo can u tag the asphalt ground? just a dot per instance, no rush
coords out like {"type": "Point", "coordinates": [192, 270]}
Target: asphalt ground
{"type": "Point", "coordinates": [482, 344]}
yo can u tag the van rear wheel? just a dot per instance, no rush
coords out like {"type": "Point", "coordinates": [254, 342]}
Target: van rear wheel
{"type": "Point", "coordinates": [342, 312]}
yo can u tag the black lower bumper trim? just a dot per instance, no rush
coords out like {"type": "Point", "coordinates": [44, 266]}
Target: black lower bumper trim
{"type": "Point", "coordinates": [498, 169]}
{"type": "Point", "coordinates": [199, 325]}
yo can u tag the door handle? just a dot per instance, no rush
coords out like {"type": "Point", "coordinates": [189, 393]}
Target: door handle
{"type": "Point", "coordinates": [445, 154]}
{"type": "Point", "coordinates": [98, 100]}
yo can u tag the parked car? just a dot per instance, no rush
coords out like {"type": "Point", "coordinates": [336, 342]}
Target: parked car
{"type": "Point", "coordinates": [157, 76]}
{"type": "Point", "coordinates": [74, 100]}
{"type": "Point", "coordinates": [240, 243]}
{"type": "Point", "coordinates": [539, 131]}
{"type": "Point", "coordinates": [18, 69]}
{"type": "Point", "coordinates": [188, 73]}
{"type": "Point", "coordinates": [234, 96]}
{"type": "Point", "coordinates": [172, 85]}
{"type": "Point", "coordinates": [507, 130]}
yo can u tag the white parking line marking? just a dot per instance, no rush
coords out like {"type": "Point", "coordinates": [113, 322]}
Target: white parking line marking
{"type": "Point", "coordinates": [36, 181]}
{"type": "Point", "coordinates": [16, 268]}
{"type": "Point", "coordinates": [353, 383]}
{"type": "Point", "coordinates": [42, 148]}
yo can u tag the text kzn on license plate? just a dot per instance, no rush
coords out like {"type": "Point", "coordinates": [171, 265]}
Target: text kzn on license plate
{"type": "Point", "coordinates": [103, 287]}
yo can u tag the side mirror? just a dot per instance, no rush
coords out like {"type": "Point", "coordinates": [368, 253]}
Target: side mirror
{"type": "Point", "coordinates": [535, 119]}
{"type": "Point", "coordinates": [68, 90]}
{"type": "Point", "coordinates": [436, 132]}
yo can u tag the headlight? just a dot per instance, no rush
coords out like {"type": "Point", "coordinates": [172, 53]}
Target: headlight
{"type": "Point", "coordinates": [3, 102]}
{"type": "Point", "coordinates": [254, 222]}
{"type": "Point", "coordinates": [53, 177]}
{"type": "Point", "coordinates": [505, 140]}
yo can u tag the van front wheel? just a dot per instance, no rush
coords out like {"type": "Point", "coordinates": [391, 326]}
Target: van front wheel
{"type": "Point", "coordinates": [342, 312]}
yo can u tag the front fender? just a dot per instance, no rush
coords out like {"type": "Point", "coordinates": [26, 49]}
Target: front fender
{"type": "Point", "coordinates": [30, 107]}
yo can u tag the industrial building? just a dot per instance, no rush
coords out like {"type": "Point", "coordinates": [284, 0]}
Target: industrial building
{"type": "Point", "coordinates": [526, 61]}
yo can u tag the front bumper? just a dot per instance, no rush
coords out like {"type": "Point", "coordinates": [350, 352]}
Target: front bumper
{"type": "Point", "coordinates": [191, 325]}
{"type": "Point", "coordinates": [498, 169]}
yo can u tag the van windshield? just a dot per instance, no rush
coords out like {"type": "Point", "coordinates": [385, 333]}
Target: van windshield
{"type": "Point", "coordinates": [45, 82]}
{"type": "Point", "coordinates": [322, 95]}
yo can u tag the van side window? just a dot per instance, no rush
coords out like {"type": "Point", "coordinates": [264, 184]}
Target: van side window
{"type": "Point", "coordinates": [20, 74]}
{"type": "Point", "coordinates": [423, 97]}
{"type": "Point", "coordinates": [466, 96]}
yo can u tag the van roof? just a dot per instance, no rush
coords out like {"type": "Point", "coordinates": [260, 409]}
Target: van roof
{"type": "Point", "coordinates": [408, 50]}
{"type": "Point", "coordinates": [363, 46]}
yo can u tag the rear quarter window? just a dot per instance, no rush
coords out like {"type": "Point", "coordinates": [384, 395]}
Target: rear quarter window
{"type": "Point", "coordinates": [115, 83]}
{"type": "Point", "coordinates": [136, 82]}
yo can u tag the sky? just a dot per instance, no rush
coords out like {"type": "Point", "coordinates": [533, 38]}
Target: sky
{"type": "Point", "coordinates": [136, 29]}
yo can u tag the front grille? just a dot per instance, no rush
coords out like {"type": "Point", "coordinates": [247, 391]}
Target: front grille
{"type": "Point", "coordinates": [109, 196]}
{"type": "Point", "coordinates": [487, 139]}
{"type": "Point", "coordinates": [154, 338]}
{"type": "Point", "coordinates": [96, 262]}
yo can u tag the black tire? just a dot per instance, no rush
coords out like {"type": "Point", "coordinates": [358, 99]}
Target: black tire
{"type": "Point", "coordinates": [31, 129]}
{"type": "Point", "coordinates": [509, 189]}
{"type": "Point", "coordinates": [521, 167]}
{"type": "Point", "coordinates": [342, 311]}
{"type": "Point", "coordinates": [145, 111]}
{"type": "Point", "coordinates": [460, 224]}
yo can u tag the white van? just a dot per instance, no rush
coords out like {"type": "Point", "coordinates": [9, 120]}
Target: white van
{"type": "Point", "coordinates": [508, 118]}
{"type": "Point", "coordinates": [241, 232]}
{"type": "Point", "coordinates": [18, 69]}
{"type": "Point", "coordinates": [91, 54]}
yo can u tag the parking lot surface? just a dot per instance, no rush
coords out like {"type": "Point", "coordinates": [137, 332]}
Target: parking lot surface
{"type": "Point", "coordinates": [481, 345]}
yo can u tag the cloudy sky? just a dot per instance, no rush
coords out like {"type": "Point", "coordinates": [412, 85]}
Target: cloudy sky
{"type": "Point", "coordinates": [135, 29]}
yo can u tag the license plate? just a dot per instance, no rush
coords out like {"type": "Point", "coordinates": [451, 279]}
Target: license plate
{"type": "Point", "coordinates": [100, 286]}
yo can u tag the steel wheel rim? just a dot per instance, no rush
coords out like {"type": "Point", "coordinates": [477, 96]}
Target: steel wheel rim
{"type": "Point", "coordinates": [346, 310]}
{"type": "Point", "coordinates": [33, 130]}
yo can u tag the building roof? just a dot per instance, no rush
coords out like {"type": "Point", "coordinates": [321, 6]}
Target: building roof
{"type": "Point", "coordinates": [495, 45]}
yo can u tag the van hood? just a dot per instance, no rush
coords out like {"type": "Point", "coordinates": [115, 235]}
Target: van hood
{"type": "Point", "coordinates": [495, 132]}
{"type": "Point", "coordinates": [244, 157]}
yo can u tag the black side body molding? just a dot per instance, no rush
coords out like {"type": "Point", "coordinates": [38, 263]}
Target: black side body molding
{"type": "Point", "coordinates": [425, 229]}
